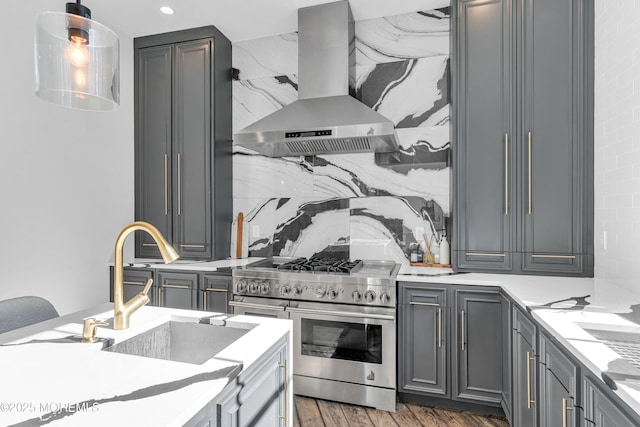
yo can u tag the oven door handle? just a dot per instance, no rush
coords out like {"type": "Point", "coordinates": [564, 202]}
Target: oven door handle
{"type": "Point", "coordinates": [341, 313]}
{"type": "Point", "coordinates": [260, 306]}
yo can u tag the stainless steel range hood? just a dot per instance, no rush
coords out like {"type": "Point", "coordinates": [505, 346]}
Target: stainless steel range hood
{"type": "Point", "coordinates": [325, 118]}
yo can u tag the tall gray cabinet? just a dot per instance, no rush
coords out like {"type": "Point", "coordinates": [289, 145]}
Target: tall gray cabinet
{"type": "Point", "coordinates": [183, 141]}
{"type": "Point", "coordinates": [523, 158]}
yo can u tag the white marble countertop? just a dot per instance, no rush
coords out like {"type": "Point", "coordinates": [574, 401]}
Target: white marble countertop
{"type": "Point", "coordinates": [571, 310]}
{"type": "Point", "coordinates": [46, 374]}
{"type": "Point", "coordinates": [189, 265]}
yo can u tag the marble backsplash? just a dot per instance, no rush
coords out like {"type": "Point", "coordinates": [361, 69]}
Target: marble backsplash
{"type": "Point", "coordinates": [372, 207]}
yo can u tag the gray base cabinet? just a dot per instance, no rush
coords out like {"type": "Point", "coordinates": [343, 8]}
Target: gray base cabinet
{"type": "Point", "coordinates": [525, 371]}
{"type": "Point", "coordinates": [477, 373]}
{"type": "Point", "coordinates": [601, 411]}
{"type": "Point", "coordinates": [507, 329]}
{"type": "Point", "coordinates": [216, 292]}
{"type": "Point", "coordinates": [259, 396]}
{"type": "Point", "coordinates": [450, 351]}
{"type": "Point", "coordinates": [523, 165]}
{"type": "Point", "coordinates": [423, 340]}
{"type": "Point", "coordinates": [558, 383]}
{"type": "Point", "coordinates": [183, 141]}
{"type": "Point", "coordinates": [177, 290]}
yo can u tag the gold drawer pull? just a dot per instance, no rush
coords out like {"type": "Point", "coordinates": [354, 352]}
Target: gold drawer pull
{"type": "Point", "coordinates": [506, 174]}
{"type": "Point", "coordinates": [192, 246]}
{"type": "Point", "coordinates": [427, 304]}
{"type": "Point", "coordinates": [553, 256]}
{"type": "Point", "coordinates": [216, 290]}
{"type": "Point", "coordinates": [484, 254]}
{"type": "Point", "coordinates": [176, 286]}
{"type": "Point", "coordinates": [126, 282]}
{"type": "Point", "coordinates": [150, 244]}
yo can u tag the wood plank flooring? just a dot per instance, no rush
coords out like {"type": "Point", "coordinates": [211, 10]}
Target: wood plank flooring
{"type": "Point", "coordinates": [322, 413]}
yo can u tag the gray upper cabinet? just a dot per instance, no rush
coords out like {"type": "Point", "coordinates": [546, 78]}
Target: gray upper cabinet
{"type": "Point", "coordinates": [423, 340]}
{"type": "Point", "coordinates": [523, 163]}
{"type": "Point", "coordinates": [477, 373]}
{"type": "Point", "coordinates": [485, 191]}
{"type": "Point", "coordinates": [183, 141]}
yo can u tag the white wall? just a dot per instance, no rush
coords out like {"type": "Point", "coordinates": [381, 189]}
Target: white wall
{"type": "Point", "coordinates": [66, 177]}
{"type": "Point", "coordinates": [617, 141]}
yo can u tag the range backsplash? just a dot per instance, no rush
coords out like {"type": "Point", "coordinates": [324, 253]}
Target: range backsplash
{"type": "Point", "coordinates": [372, 208]}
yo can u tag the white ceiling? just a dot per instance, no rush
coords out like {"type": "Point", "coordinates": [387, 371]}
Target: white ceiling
{"type": "Point", "coordinates": [237, 19]}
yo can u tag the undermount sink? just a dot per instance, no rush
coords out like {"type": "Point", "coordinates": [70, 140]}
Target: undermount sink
{"type": "Point", "coordinates": [187, 342]}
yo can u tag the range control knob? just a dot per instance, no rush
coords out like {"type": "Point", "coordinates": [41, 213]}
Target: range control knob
{"type": "Point", "coordinates": [284, 290]}
{"type": "Point", "coordinates": [356, 295]}
{"type": "Point", "coordinates": [253, 287]}
{"type": "Point", "coordinates": [241, 286]}
{"type": "Point", "coordinates": [297, 290]}
{"type": "Point", "coordinates": [332, 293]}
{"type": "Point", "coordinates": [265, 287]}
{"type": "Point", "coordinates": [385, 298]}
{"type": "Point", "coordinates": [369, 296]}
{"type": "Point", "coordinates": [320, 292]}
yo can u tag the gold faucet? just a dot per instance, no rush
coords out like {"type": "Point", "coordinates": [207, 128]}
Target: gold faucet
{"type": "Point", "coordinates": [122, 311]}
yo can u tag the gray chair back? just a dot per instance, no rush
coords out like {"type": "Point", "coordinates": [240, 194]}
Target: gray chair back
{"type": "Point", "coordinates": [24, 311]}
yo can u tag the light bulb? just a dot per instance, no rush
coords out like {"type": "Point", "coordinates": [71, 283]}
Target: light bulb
{"type": "Point", "coordinates": [77, 54]}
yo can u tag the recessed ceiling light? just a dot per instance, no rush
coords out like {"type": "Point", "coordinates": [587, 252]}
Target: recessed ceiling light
{"type": "Point", "coordinates": [166, 10]}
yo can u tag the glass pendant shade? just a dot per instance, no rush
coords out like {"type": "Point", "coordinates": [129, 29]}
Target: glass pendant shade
{"type": "Point", "coordinates": [77, 62]}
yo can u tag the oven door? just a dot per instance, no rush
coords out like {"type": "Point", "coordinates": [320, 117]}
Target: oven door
{"type": "Point", "coordinates": [355, 344]}
{"type": "Point", "coordinates": [264, 307]}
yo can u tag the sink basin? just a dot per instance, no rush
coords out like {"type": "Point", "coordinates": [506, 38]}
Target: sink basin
{"type": "Point", "coordinates": [187, 342]}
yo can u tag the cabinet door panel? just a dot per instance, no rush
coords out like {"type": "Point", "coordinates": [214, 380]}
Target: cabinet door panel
{"type": "Point", "coordinates": [177, 290]}
{"type": "Point", "coordinates": [524, 371]}
{"type": "Point", "coordinates": [479, 362]}
{"type": "Point", "coordinates": [552, 183]}
{"type": "Point", "coordinates": [216, 293]}
{"type": "Point", "coordinates": [558, 380]}
{"type": "Point", "coordinates": [485, 173]}
{"type": "Point", "coordinates": [507, 330]}
{"type": "Point", "coordinates": [423, 341]}
{"type": "Point", "coordinates": [192, 142]}
{"type": "Point", "coordinates": [600, 408]}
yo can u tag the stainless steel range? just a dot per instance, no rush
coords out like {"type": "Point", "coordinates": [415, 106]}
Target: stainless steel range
{"type": "Point", "coordinates": [344, 323]}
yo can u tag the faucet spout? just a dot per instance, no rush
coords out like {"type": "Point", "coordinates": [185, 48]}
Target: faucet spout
{"type": "Point", "coordinates": [122, 311]}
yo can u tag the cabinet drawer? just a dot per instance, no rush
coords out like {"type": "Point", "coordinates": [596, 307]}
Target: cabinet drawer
{"type": "Point", "coordinates": [552, 263]}
{"type": "Point", "coordinates": [484, 260]}
{"type": "Point", "coordinates": [215, 293]}
{"type": "Point", "coordinates": [177, 290]}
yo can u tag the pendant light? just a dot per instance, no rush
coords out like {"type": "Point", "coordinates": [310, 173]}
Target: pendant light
{"type": "Point", "coordinates": [77, 60]}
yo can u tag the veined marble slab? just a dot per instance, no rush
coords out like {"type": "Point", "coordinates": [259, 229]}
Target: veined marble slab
{"type": "Point", "coordinates": [266, 56]}
{"type": "Point", "coordinates": [257, 98]}
{"type": "Point", "coordinates": [407, 36]}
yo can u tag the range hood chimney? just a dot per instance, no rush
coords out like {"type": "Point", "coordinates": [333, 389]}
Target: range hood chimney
{"type": "Point", "coordinates": [325, 118]}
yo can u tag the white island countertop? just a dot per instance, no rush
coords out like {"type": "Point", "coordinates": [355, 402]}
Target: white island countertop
{"type": "Point", "coordinates": [580, 313]}
{"type": "Point", "coordinates": [50, 378]}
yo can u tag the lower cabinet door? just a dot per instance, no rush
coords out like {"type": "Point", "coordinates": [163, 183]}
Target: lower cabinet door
{"type": "Point", "coordinates": [601, 410]}
{"type": "Point", "coordinates": [216, 293]}
{"type": "Point", "coordinates": [177, 290]}
{"type": "Point", "coordinates": [422, 342]}
{"type": "Point", "coordinates": [134, 281]}
{"type": "Point", "coordinates": [524, 362]}
{"type": "Point", "coordinates": [261, 395]}
{"type": "Point", "coordinates": [558, 381]}
{"type": "Point", "coordinates": [507, 329]}
{"type": "Point", "coordinates": [477, 373]}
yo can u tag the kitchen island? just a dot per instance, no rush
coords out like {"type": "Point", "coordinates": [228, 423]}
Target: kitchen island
{"type": "Point", "coordinates": [50, 377]}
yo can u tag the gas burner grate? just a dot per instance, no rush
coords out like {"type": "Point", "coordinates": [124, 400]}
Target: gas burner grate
{"type": "Point", "coordinates": [329, 265]}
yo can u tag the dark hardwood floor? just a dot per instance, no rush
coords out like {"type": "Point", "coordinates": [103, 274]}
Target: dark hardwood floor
{"type": "Point", "coordinates": [320, 413]}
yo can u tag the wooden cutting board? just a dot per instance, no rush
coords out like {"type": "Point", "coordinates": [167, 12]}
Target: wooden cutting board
{"type": "Point", "coordinates": [239, 237]}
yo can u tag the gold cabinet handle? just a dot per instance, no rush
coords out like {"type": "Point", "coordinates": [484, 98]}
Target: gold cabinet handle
{"type": "Point", "coordinates": [168, 285]}
{"type": "Point", "coordinates": [506, 174]}
{"type": "Point", "coordinates": [565, 408]}
{"type": "Point", "coordinates": [439, 327]}
{"type": "Point", "coordinates": [426, 304]}
{"type": "Point", "coordinates": [553, 256]}
{"type": "Point", "coordinates": [286, 394]}
{"type": "Point", "coordinates": [484, 254]}
{"type": "Point", "coordinates": [204, 294]}
{"type": "Point", "coordinates": [166, 184]}
{"type": "Point", "coordinates": [211, 290]}
{"type": "Point", "coordinates": [529, 158]}
{"type": "Point", "coordinates": [529, 400]}
{"type": "Point", "coordinates": [150, 244]}
{"type": "Point", "coordinates": [462, 327]}
{"type": "Point", "coordinates": [192, 246]}
{"type": "Point", "coordinates": [128, 282]}
{"type": "Point", "coordinates": [179, 183]}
